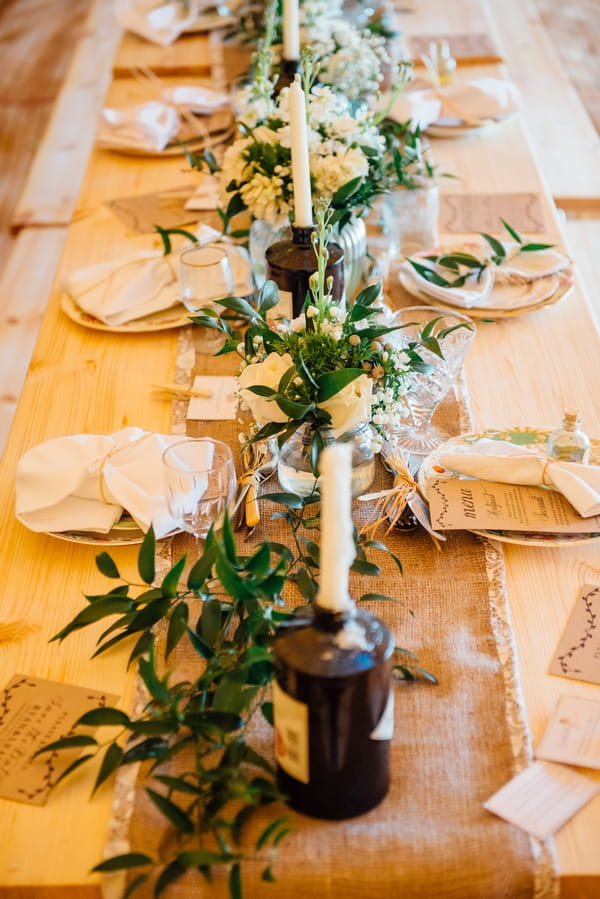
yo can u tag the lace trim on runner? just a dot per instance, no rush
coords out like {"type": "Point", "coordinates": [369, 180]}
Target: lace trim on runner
{"type": "Point", "coordinates": [546, 881]}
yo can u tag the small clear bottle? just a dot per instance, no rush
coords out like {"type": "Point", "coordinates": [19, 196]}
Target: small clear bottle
{"type": "Point", "coordinates": [446, 63]}
{"type": "Point", "coordinates": [569, 443]}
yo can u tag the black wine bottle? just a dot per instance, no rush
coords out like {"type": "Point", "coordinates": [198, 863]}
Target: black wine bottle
{"type": "Point", "coordinates": [290, 263]}
{"type": "Point", "coordinates": [333, 704]}
{"type": "Point", "coordinates": [287, 73]}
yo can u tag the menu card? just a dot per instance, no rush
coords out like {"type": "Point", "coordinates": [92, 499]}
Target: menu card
{"type": "Point", "coordinates": [33, 713]}
{"type": "Point", "coordinates": [466, 213]}
{"type": "Point", "coordinates": [474, 48]}
{"type": "Point", "coordinates": [142, 212]}
{"type": "Point", "coordinates": [578, 652]}
{"type": "Point", "coordinates": [470, 504]}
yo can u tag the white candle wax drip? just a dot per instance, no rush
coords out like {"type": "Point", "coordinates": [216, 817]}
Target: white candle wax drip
{"type": "Point", "coordinates": [300, 159]}
{"type": "Point", "coordinates": [337, 544]}
{"type": "Point", "coordinates": [291, 30]}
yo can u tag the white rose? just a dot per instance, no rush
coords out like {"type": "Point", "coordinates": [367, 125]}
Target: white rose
{"type": "Point", "coordinates": [265, 374]}
{"type": "Point", "coordinates": [350, 406]}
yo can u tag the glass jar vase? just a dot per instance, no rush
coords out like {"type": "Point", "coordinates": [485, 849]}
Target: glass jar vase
{"type": "Point", "coordinates": [294, 464]}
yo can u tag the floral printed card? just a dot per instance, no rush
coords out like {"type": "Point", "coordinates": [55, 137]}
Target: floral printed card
{"type": "Point", "coordinates": [578, 652]}
{"type": "Point", "coordinates": [33, 713]}
{"type": "Point", "coordinates": [461, 503]}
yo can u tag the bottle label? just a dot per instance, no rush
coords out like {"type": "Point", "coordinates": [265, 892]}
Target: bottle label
{"type": "Point", "coordinates": [291, 734]}
{"type": "Point", "coordinates": [384, 729]}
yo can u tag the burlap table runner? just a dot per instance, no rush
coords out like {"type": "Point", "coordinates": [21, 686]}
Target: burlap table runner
{"type": "Point", "coordinates": [454, 744]}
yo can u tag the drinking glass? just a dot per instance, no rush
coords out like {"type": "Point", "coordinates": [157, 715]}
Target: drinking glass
{"type": "Point", "coordinates": [205, 276]}
{"type": "Point", "coordinates": [426, 390]}
{"type": "Point", "coordinates": [200, 483]}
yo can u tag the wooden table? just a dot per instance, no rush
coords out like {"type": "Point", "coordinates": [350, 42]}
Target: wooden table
{"type": "Point", "coordinates": [521, 371]}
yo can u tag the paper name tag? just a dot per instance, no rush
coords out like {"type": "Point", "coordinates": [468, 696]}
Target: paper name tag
{"type": "Point", "coordinates": [466, 503]}
{"type": "Point", "coordinates": [542, 798]}
{"type": "Point", "coordinates": [578, 652]}
{"type": "Point", "coordinates": [222, 403]}
{"type": "Point", "coordinates": [573, 733]}
{"type": "Point", "coordinates": [33, 713]}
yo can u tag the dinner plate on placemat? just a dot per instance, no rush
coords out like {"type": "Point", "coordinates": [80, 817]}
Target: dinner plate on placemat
{"type": "Point", "coordinates": [174, 317]}
{"type": "Point", "coordinates": [505, 299]}
{"type": "Point", "coordinates": [530, 438]}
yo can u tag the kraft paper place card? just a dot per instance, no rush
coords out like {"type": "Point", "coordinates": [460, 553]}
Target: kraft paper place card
{"type": "Point", "coordinates": [578, 652]}
{"type": "Point", "coordinates": [573, 733]}
{"type": "Point", "coordinates": [222, 403]}
{"type": "Point", "coordinates": [466, 213]}
{"type": "Point", "coordinates": [542, 798]}
{"type": "Point", "coordinates": [141, 213]}
{"type": "Point", "coordinates": [467, 504]}
{"type": "Point", "coordinates": [473, 49]}
{"type": "Point", "coordinates": [33, 713]}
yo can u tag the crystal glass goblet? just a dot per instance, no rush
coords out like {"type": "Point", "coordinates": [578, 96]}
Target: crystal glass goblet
{"type": "Point", "coordinates": [205, 276]}
{"type": "Point", "coordinates": [200, 482]}
{"type": "Point", "coordinates": [426, 389]}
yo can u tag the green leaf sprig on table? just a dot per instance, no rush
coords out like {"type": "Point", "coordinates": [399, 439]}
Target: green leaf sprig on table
{"type": "Point", "coordinates": [464, 265]}
{"type": "Point", "coordinates": [202, 771]}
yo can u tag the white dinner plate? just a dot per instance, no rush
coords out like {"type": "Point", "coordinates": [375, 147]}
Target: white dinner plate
{"type": "Point", "coordinates": [175, 317]}
{"type": "Point", "coordinates": [504, 299]}
{"type": "Point", "coordinates": [125, 531]}
{"type": "Point", "coordinates": [534, 440]}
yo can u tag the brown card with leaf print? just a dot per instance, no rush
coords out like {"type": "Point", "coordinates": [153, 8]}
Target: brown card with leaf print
{"type": "Point", "coordinates": [477, 48]}
{"type": "Point", "coordinates": [578, 652]}
{"type": "Point", "coordinates": [33, 713]}
{"type": "Point", "coordinates": [464, 213]}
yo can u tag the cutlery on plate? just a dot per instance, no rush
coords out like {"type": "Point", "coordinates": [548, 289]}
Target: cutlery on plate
{"type": "Point", "coordinates": [259, 464]}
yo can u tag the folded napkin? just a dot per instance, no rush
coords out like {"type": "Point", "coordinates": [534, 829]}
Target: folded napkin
{"type": "Point", "coordinates": [148, 126]}
{"type": "Point", "coordinates": [161, 23]}
{"type": "Point", "coordinates": [145, 281]}
{"type": "Point", "coordinates": [85, 481]}
{"type": "Point", "coordinates": [473, 101]}
{"type": "Point", "coordinates": [199, 100]}
{"type": "Point", "coordinates": [531, 264]}
{"type": "Point", "coordinates": [125, 289]}
{"type": "Point", "coordinates": [473, 292]}
{"type": "Point", "coordinates": [495, 460]}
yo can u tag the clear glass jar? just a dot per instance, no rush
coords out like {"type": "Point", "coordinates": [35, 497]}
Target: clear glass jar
{"type": "Point", "coordinates": [569, 443]}
{"type": "Point", "coordinates": [294, 465]}
{"type": "Point", "coordinates": [410, 217]}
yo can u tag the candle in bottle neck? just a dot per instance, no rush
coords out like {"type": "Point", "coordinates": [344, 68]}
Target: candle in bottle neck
{"type": "Point", "coordinates": [291, 30]}
{"type": "Point", "coordinates": [337, 544]}
{"type": "Point", "coordinates": [300, 159]}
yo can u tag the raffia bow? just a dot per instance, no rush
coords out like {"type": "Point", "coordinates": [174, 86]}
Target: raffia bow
{"type": "Point", "coordinates": [390, 503]}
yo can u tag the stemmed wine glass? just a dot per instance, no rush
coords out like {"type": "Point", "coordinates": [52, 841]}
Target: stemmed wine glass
{"type": "Point", "coordinates": [205, 275]}
{"type": "Point", "coordinates": [426, 389]}
{"type": "Point", "coordinates": [200, 483]}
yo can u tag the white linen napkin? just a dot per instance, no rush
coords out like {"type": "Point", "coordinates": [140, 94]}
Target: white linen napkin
{"type": "Point", "coordinates": [148, 126]}
{"type": "Point", "coordinates": [145, 281]}
{"type": "Point", "coordinates": [471, 101]}
{"type": "Point", "coordinates": [481, 99]}
{"type": "Point", "coordinates": [199, 100]}
{"type": "Point", "coordinates": [83, 482]}
{"type": "Point", "coordinates": [160, 23]}
{"type": "Point", "coordinates": [125, 289]}
{"type": "Point", "coordinates": [474, 292]}
{"type": "Point", "coordinates": [495, 460]}
{"type": "Point", "coordinates": [531, 264]}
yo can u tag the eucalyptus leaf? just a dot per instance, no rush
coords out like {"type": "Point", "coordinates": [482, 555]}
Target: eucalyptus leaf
{"type": "Point", "coordinates": [122, 862]}
{"type": "Point", "coordinates": [146, 556]}
{"type": "Point", "coordinates": [110, 762]}
{"type": "Point", "coordinates": [106, 566]}
{"type": "Point", "coordinates": [104, 717]}
{"type": "Point", "coordinates": [170, 810]}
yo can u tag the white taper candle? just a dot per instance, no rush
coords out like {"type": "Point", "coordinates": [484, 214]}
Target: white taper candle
{"type": "Point", "coordinates": [300, 158]}
{"type": "Point", "coordinates": [337, 544]}
{"type": "Point", "coordinates": [291, 30]}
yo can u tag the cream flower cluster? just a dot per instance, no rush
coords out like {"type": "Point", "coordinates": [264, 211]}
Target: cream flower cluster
{"type": "Point", "coordinates": [350, 59]}
{"type": "Point", "coordinates": [258, 167]}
